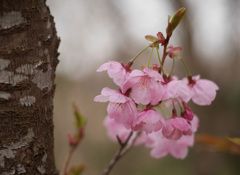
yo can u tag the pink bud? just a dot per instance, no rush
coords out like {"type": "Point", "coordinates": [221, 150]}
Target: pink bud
{"type": "Point", "coordinates": [161, 37]}
{"type": "Point", "coordinates": [70, 138]}
{"type": "Point", "coordinates": [188, 113]}
{"type": "Point", "coordinates": [73, 141]}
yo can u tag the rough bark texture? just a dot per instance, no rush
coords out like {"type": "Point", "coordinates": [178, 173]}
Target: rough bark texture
{"type": "Point", "coordinates": [28, 59]}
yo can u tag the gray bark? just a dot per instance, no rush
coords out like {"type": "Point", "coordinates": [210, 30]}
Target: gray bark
{"type": "Point", "coordinates": [28, 59]}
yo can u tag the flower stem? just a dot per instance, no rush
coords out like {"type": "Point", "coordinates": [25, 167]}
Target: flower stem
{"type": "Point", "coordinates": [180, 106]}
{"type": "Point", "coordinates": [164, 53]}
{"type": "Point", "coordinates": [185, 67]}
{"type": "Point", "coordinates": [165, 49]}
{"type": "Point", "coordinates": [160, 61]}
{"type": "Point", "coordinates": [150, 57]}
{"type": "Point", "coordinates": [173, 63]}
{"type": "Point", "coordinates": [132, 60]}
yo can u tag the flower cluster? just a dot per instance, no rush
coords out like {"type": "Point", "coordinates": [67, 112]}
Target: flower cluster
{"type": "Point", "coordinates": [150, 89]}
{"type": "Point", "coordinates": [155, 103]}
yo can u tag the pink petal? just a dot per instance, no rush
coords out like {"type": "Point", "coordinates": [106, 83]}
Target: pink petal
{"type": "Point", "coordinates": [124, 113]}
{"type": "Point", "coordinates": [145, 88]}
{"type": "Point", "coordinates": [162, 146]}
{"type": "Point", "coordinates": [204, 92]}
{"type": "Point", "coordinates": [133, 78]}
{"type": "Point", "coordinates": [180, 149]}
{"type": "Point", "coordinates": [178, 88]}
{"type": "Point", "coordinates": [153, 74]}
{"type": "Point", "coordinates": [101, 98]}
{"type": "Point", "coordinates": [175, 128]}
{"type": "Point", "coordinates": [108, 94]}
{"type": "Point", "coordinates": [149, 121]}
{"type": "Point", "coordinates": [195, 123]}
{"type": "Point", "coordinates": [115, 129]}
{"type": "Point", "coordinates": [116, 71]}
{"type": "Point", "coordinates": [140, 91]}
{"type": "Point", "coordinates": [180, 123]}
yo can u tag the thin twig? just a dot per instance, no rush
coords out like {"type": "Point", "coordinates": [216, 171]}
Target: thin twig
{"type": "Point", "coordinates": [164, 54]}
{"type": "Point", "coordinates": [69, 155]}
{"type": "Point", "coordinates": [132, 143]}
{"type": "Point", "coordinates": [165, 49]}
{"type": "Point", "coordinates": [121, 152]}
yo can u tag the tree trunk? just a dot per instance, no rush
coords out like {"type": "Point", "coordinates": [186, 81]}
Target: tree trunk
{"type": "Point", "coordinates": [28, 59]}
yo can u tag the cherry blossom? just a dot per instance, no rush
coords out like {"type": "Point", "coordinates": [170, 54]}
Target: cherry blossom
{"type": "Point", "coordinates": [146, 86]}
{"type": "Point", "coordinates": [161, 146]}
{"type": "Point", "coordinates": [149, 121]}
{"type": "Point", "coordinates": [117, 71]}
{"type": "Point", "coordinates": [173, 51]}
{"type": "Point", "coordinates": [142, 106]}
{"type": "Point", "coordinates": [120, 108]}
{"type": "Point", "coordinates": [177, 89]}
{"type": "Point", "coordinates": [204, 91]}
{"type": "Point", "coordinates": [175, 128]}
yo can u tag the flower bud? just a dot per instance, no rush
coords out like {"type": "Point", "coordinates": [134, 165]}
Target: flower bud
{"type": "Point", "coordinates": [72, 140]}
{"type": "Point", "coordinates": [188, 113]}
{"type": "Point", "coordinates": [151, 38]}
{"type": "Point", "coordinates": [161, 37]}
{"type": "Point", "coordinates": [177, 17]}
{"type": "Point", "coordinates": [80, 120]}
{"type": "Point", "coordinates": [77, 169]}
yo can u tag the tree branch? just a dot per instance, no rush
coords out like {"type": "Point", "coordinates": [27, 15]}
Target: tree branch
{"type": "Point", "coordinates": [121, 152]}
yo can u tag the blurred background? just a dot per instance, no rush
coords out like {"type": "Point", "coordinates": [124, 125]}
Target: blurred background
{"type": "Point", "coordinates": [93, 32]}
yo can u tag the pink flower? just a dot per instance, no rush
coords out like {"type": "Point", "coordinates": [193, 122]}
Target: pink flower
{"type": "Point", "coordinates": [148, 121]}
{"type": "Point", "coordinates": [177, 88]}
{"type": "Point", "coordinates": [146, 87]}
{"type": "Point", "coordinates": [116, 71]}
{"type": "Point", "coordinates": [194, 123]}
{"type": "Point", "coordinates": [176, 127]}
{"type": "Point", "coordinates": [163, 146]}
{"type": "Point", "coordinates": [116, 129]}
{"type": "Point", "coordinates": [120, 108]}
{"type": "Point", "coordinates": [204, 91]}
{"type": "Point", "coordinates": [177, 148]}
{"type": "Point", "coordinates": [173, 51]}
